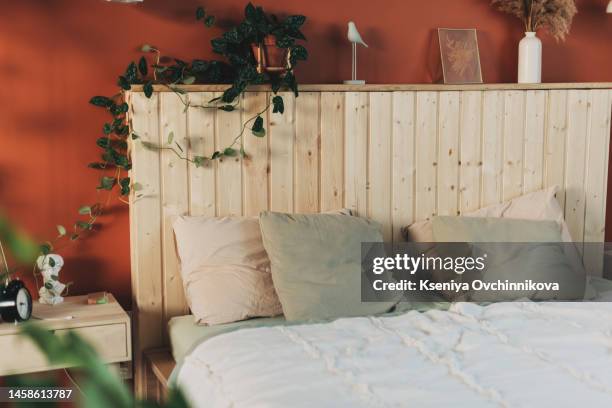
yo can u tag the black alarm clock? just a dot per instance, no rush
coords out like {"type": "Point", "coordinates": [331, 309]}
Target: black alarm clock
{"type": "Point", "coordinates": [15, 302]}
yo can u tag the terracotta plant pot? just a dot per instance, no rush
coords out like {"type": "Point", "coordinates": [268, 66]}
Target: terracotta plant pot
{"type": "Point", "coordinates": [269, 57]}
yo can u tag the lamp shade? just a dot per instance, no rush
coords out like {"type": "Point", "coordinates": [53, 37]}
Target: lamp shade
{"type": "Point", "coordinates": [609, 10]}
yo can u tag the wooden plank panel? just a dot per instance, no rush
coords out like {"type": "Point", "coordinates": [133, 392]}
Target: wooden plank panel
{"type": "Point", "coordinates": [175, 199]}
{"type": "Point", "coordinates": [426, 159]}
{"type": "Point", "coordinates": [229, 169]}
{"type": "Point", "coordinates": [403, 156]}
{"type": "Point", "coordinates": [332, 151]}
{"type": "Point", "coordinates": [145, 232]}
{"type": "Point", "coordinates": [535, 116]}
{"type": "Point", "coordinates": [306, 182]}
{"type": "Point", "coordinates": [492, 147]}
{"type": "Point", "coordinates": [471, 159]}
{"type": "Point", "coordinates": [282, 140]}
{"type": "Point", "coordinates": [201, 131]}
{"type": "Point", "coordinates": [596, 180]}
{"type": "Point", "coordinates": [256, 164]}
{"type": "Point", "coordinates": [448, 153]}
{"type": "Point", "coordinates": [556, 140]}
{"type": "Point", "coordinates": [356, 151]}
{"type": "Point", "coordinates": [379, 160]}
{"type": "Point", "coordinates": [514, 132]}
{"type": "Point", "coordinates": [577, 128]}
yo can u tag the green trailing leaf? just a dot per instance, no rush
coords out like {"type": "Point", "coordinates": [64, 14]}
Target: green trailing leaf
{"type": "Point", "coordinates": [107, 129]}
{"type": "Point", "coordinates": [61, 230]}
{"type": "Point", "coordinates": [101, 101]}
{"type": "Point", "coordinates": [199, 161]}
{"type": "Point", "coordinates": [278, 105]}
{"type": "Point", "coordinates": [146, 48]}
{"type": "Point", "coordinates": [149, 145]}
{"type": "Point", "coordinates": [107, 183]}
{"type": "Point", "coordinates": [131, 72]}
{"type": "Point", "coordinates": [209, 21]}
{"type": "Point", "coordinates": [85, 210]}
{"type": "Point", "coordinates": [46, 248]}
{"type": "Point", "coordinates": [295, 22]}
{"type": "Point", "coordinates": [124, 83]}
{"type": "Point", "coordinates": [103, 142]}
{"type": "Point", "coordinates": [227, 108]}
{"type": "Point", "coordinates": [298, 53]}
{"type": "Point", "coordinates": [189, 80]}
{"type": "Point", "coordinates": [230, 152]}
{"type": "Point", "coordinates": [216, 155]}
{"type": "Point", "coordinates": [137, 187]}
{"type": "Point", "coordinates": [97, 166]}
{"type": "Point", "coordinates": [148, 89]}
{"type": "Point", "coordinates": [200, 13]}
{"type": "Point", "coordinates": [258, 129]}
{"type": "Point", "coordinates": [83, 225]}
{"type": "Point", "coordinates": [143, 66]}
{"type": "Point", "coordinates": [170, 137]}
{"type": "Point", "coordinates": [124, 183]}
{"type": "Point", "coordinates": [135, 136]}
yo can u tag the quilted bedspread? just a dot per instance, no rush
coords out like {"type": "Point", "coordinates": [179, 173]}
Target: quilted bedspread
{"type": "Point", "coordinates": [519, 354]}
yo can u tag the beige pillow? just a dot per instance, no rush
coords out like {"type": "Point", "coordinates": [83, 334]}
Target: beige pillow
{"type": "Point", "coordinates": [225, 268]}
{"type": "Point", "coordinates": [316, 265]}
{"type": "Point", "coordinates": [539, 205]}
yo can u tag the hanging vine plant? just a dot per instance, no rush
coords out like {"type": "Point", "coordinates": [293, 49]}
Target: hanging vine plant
{"type": "Point", "coordinates": [244, 48]}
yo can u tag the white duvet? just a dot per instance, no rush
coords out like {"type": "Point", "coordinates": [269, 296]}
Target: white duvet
{"type": "Point", "coordinates": [518, 354]}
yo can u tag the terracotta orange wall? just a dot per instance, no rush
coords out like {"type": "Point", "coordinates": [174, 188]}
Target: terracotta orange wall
{"type": "Point", "coordinates": [56, 54]}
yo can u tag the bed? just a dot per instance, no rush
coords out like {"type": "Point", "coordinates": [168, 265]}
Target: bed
{"type": "Point", "coordinates": [396, 154]}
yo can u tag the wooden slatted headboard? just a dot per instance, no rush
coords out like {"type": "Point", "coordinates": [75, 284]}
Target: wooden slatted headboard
{"type": "Point", "coordinates": [395, 153]}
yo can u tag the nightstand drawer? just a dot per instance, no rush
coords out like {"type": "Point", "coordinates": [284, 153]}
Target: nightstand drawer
{"type": "Point", "coordinates": [110, 341]}
{"type": "Point", "coordinates": [21, 355]}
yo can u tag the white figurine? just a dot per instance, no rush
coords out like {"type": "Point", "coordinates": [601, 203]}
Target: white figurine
{"type": "Point", "coordinates": [355, 38]}
{"type": "Point", "coordinates": [52, 289]}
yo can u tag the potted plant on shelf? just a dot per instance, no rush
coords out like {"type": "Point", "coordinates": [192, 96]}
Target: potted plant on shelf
{"type": "Point", "coordinates": [262, 49]}
{"type": "Point", "coordinates": [555, 16]}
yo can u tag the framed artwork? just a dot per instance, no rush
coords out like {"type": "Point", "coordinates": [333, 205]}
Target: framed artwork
{"type": "Point", "coordinates": [460, 56]}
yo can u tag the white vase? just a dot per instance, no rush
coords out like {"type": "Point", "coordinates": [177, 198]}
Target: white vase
{"type": "Point", "coordinates": [530, 60]}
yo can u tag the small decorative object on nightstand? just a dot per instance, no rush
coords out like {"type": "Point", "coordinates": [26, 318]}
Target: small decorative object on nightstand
{"type": "Point", "coordinates": [105, 326]}
{"type": "Point", "coordinates": [15, 299]}
{"type": "Point", "coordinates": [51, 291]}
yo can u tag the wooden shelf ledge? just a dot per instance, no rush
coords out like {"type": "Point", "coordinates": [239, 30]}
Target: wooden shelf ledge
{"type": "Point", "coordinates": [392, 87]}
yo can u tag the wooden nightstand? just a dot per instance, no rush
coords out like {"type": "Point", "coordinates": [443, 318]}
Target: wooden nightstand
{"type": "Point", "coordinates": [106, 327]}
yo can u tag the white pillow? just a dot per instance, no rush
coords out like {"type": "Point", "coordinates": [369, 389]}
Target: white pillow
{"type": "Point", "coordinates": [539, 205]}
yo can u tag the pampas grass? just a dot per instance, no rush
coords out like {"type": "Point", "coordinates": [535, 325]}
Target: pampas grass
{"type": "Point", "coordinates": [555, 16]}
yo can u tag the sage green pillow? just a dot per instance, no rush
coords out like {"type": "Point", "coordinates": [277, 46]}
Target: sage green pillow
{"type": "Point", "coordinates": [517, 250]}
{"type": "Point", "coordinates": [316, 264]}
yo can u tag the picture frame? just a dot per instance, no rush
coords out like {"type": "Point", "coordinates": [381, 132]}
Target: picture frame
{"type": "Point", "coordinates": [460, 56]}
